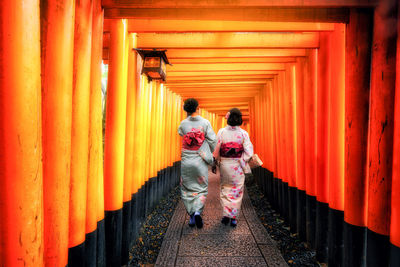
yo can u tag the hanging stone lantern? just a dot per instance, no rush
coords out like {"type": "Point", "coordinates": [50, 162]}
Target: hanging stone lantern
{"type": "Point", "coordinates": [154, 63]}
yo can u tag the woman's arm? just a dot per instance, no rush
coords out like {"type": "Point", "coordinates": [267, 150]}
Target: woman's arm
{"type": "Point", "coordinates": [247, 146]}
{"type": "Point", "coordinates": [210, 136]}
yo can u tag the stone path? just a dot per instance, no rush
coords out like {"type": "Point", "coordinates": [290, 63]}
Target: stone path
{"type": "Point", "coordinates": [216, 244]}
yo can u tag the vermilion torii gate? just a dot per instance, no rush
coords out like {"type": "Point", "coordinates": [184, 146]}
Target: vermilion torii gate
{"type": "Point", "coordinates": [318, 83]}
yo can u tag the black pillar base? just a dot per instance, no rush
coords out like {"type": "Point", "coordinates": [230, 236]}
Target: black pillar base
{"type": "Point", "coordinates": [140, 208]}
{"type": "Point", "coordinates": [280, 198]}
{"type": "Point", "coordinates": [293, 209]}
{"type": "Point", "coordinates": [301, 214]}
{"type": "Point", "coordinates": [126, 232]}
{"type": "Point", "coordinates": [76, 255]}
{"type": "Point", "coordinates": [90, 249]}
{"type": "Point", "coordinates": [355, 245]}
{"type": "Point", "coordinates": [321, 231]}
{"type": "Point", "coordinates": [134, 219]}
{"type": "Point", "coordinates": [335, 237]}
{"type": "Point", "coordinates": [394, 255]}
{"type": "Point", "coordinates": [285, 201]}
{"type": "Point", "coordinates": [274, 201]}
{"type": "Point", "coordinates": [378, 249]}
{"type": "Point", "coordinates": [146, 203]}
{"type": "Point", "coordinates": [101, 244]}
{"type": "Point", "coordinates": [113, 228]}
{"type": "Point", "coordinates": [311, 204]}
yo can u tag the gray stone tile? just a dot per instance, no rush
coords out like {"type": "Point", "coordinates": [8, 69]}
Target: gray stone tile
{"type": "Point", "coordinates": [272, 256]}
{"type": "Point", "coordinates": [214, 226]}
{"type": "Point", "coordinates": [218, 245]}
{"type": "Point", "coordinates": [168, 253]}
{"type": "Point", "coordinates": [221, 261]}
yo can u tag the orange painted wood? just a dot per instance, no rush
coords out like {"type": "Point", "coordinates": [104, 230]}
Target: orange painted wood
{"type": "Point", "coordinates": [228, 40]}
{"type": "Point", "coordinates": [358, 65]}
{"type": "Point", "coordinates": [57, 41]}
{"type": "Point", "coordinates": [300, 126]}
{"type": "Point", "coordinates": [290, 99]}
{"type": "Point", "coordinates": [173, 26]}
{"type": "Point", "coordinates": [80, 122]}
{"type": "Point", "coordinates": [310, 121]}
{"type": "Point", "coordinates": [130, 119]}
{"type": "Point", "coordinates": [283, 114]}
{"type": "Point", "coordinates": [115, 119]}
{"type": "Point", "coordinates": [336, 119]}
{"type": "Point", "coordinates": [323, 88]}
{"type": "Point", "coordinates": [95, 193]}
{"type": "Point", "coordinates": [239, 3]}
{"type": "Point", "coordinates": [21, 182]}
{"type": "Point", "coordinates": [383, 75]}
{"type": "Point", "coordinates": [274, 14]}
{"type": "Point", "coordinates": [395, 208]}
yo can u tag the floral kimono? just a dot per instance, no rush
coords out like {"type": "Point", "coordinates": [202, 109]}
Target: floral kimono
{"type": "Point", "coordinates": [198, 142]}
{"type": "Point", "coordinates": [234, 150]}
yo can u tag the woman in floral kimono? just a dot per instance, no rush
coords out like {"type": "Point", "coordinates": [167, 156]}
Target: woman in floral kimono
{"type": "Point", "coordinates": [198, 142]}
{"type": "Point", "coordinates": [233, 151]}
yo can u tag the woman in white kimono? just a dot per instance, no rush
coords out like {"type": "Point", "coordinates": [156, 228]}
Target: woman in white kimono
{"type": "Point", "coordinates": [233, 151]}
{"type": "Point", "coordinates": [198, 142]}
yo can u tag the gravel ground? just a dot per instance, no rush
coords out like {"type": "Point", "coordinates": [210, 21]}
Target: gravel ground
{"type": "Point", "coordinates": [294, 251]}
{"type": "Point", "coordinates": [148, 244]}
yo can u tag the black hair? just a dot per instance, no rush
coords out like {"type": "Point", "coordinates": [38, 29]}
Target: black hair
{"type": "Point", "coordinates": [235, 117]}
{"type": "Point", "coordinates": [190, 105]}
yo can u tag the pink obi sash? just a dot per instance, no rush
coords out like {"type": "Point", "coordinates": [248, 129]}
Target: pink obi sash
{"type": "Point", "coordinates": [193, 140]}
{"type": "Point", "coordinates": [231, 150]}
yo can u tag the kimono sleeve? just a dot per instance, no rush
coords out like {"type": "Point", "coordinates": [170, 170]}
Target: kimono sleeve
{"type": "Point", "coordinates": [247, 146]}
{"type": "Point", "coordinates": [180, 130]}
{"type": "Point", "coordinates": [210, 136]}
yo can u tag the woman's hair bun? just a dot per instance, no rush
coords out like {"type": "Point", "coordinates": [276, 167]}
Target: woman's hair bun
{"type": "Point", "coordinates": [235, 117]}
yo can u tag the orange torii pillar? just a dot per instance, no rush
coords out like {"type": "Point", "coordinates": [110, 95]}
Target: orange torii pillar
{"type": "Point", "coordinates": [395, 208]}
{"type": "Point", "coordinates": [301, 151]}
{"type": "Point", "coordinates": [310, 125]}
{"type": "Point", "coordinates": [21, 182]}
{"type": "Point", "coordinates": [336, 146]}
{"type": "Point", "coordinates": [383, 75]}
{"type": "Point", "coordinates": [129, 148]}
{"type": "Point", "coordinates": [277, 124]}
{"type": "Point", "coordinates": [322, 209]}
{"type": "Point", "coordinates": [95, 242]}
{"type": "Point", "coordinates": [57, 34]}
{"type": "Point", "coordinates": [358, 65]}
{"type": "Point", "coordinates": [80, 133]}
{"type": "Point", "coordinates": [114, 157]}
{"type": "Point", "coordinates": [290, 100]}
{"type": "Point", "coordinates": [283, 127]}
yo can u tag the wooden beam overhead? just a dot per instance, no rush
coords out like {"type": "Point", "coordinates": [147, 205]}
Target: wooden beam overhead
{"type": "Point", "coordinates": [233, 80]}
{"type": "Point", "coordinates": [178, 26]}
{"type": "Point", "coordinates": [217, 83]}
{"type": "Point", "coordinates": [233, 53]}
{"type": "Point", "coordinates": [277, 14]}
{"type": "Point", "coordinates": [218, 73]}
{"type": "Point", "coordinates": [172, 79]}
{"type": "Point", "coordinates": [227, 40]}
{"type": "Point", "coordinates": [226, 54]}
{"type": "Point", "coordinates": [226, 67]}
{"type": "Point", "coordinates": [236, 3]}
{"type": "Point", "coordinates": [232, 60]}
{"type": "Point", "coordinates": [207, 105]}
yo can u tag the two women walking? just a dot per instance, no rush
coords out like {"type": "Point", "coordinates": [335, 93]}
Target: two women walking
{"type": "Point", "coordinates": [232, 150]}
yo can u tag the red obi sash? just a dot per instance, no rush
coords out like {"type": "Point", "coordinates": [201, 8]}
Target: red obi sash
{"type": "Point", "coordinates": [193, 139]}
{"type": "Point", "coordinates": [231, 150]}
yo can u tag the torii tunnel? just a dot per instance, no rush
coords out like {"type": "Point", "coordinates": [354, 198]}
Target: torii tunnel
{"type": "Point", "coordinates": [317, 81]}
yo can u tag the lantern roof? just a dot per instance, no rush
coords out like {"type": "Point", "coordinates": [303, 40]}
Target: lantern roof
{"type": "Point", "coordinates": [153, 53]}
